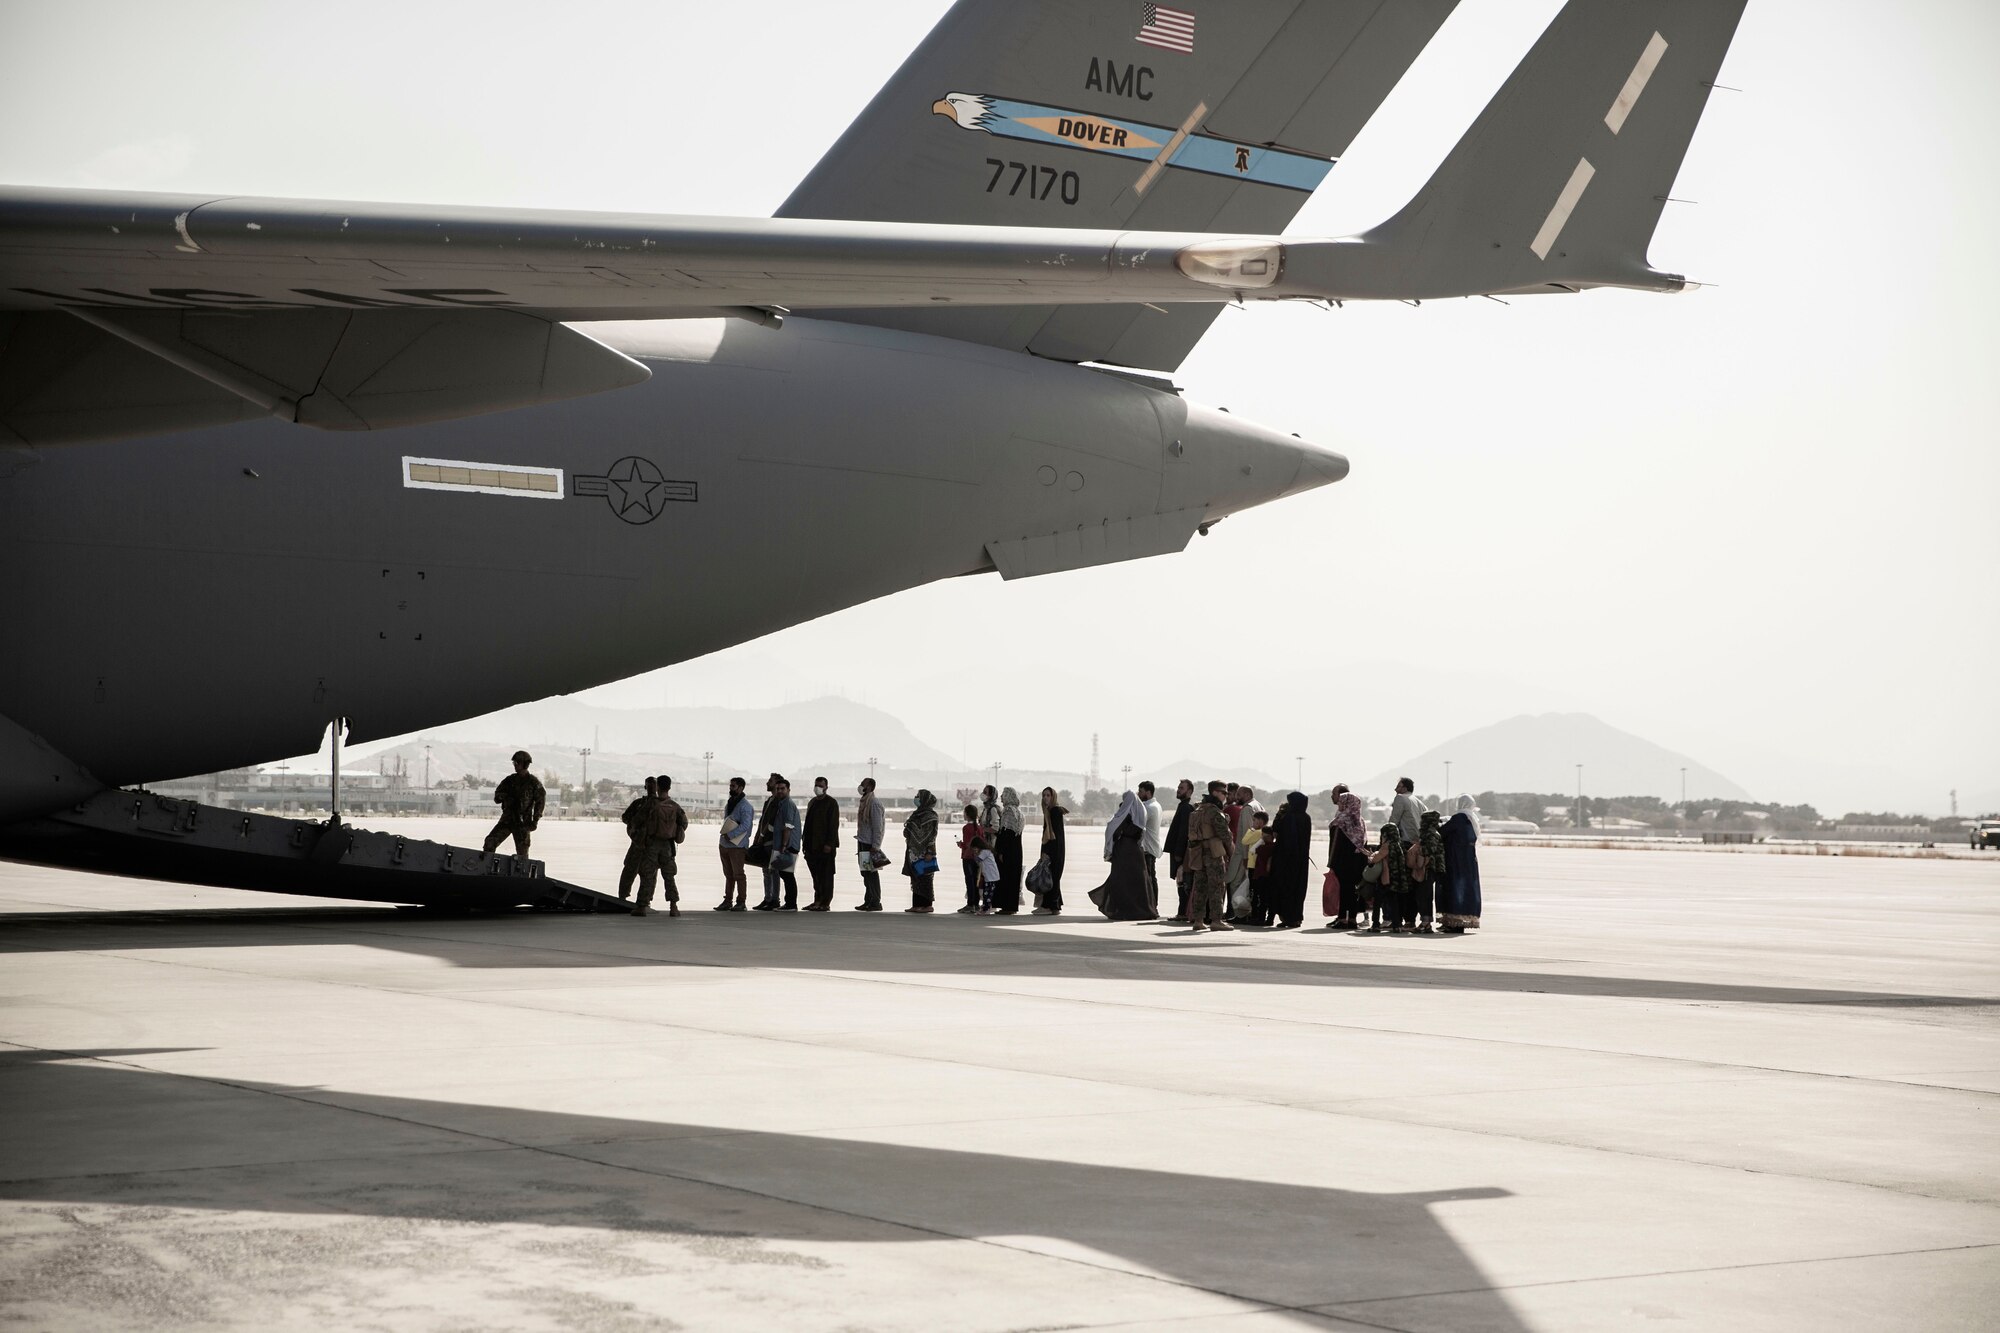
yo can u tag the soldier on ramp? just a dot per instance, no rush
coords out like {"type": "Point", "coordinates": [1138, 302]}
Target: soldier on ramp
{"type": "Point", "coordinates": [520, 798]}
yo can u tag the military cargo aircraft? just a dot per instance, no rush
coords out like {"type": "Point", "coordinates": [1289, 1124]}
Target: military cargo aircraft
{"type": "Point", "coordinates": [270, 463]}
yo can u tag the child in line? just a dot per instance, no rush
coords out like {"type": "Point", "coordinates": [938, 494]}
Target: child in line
{"type": "Point", "coordinates": [1242, 869]}
{"type": "Point", "coordinates": [968, 860]}
{"type": "Point", "coordinates": [989, 875]}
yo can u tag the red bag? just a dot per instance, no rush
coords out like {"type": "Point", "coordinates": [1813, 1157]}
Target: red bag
{"type": "Point", "coordinates": [1329, 894]}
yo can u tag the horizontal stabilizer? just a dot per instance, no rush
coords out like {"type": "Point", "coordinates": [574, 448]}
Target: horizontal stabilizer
{"type": "Point", "coordinates": [1560, 182]}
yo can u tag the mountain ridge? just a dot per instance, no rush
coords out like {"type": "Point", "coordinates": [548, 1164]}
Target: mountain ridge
{"type": "Point", "coordinates": [1540, 752]}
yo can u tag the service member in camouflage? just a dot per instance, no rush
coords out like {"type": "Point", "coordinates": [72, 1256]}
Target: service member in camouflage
{"type": "Point", "coordinates": [520, 798]}
{"type": "Point", "coordinates": [665, 827]}
{"type": "Point", "coordinates": [1206, 867]}
{"type": "Point", "coordinates": [1430, 865]}
{"type": "Point", "coordinates": [634, 835]}
{"type": "Point", "coordinates": [1394, 892]}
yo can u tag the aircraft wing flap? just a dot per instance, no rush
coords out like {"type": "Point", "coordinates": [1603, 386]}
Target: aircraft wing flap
{"type": "Point", "coordinates": [64, 248]}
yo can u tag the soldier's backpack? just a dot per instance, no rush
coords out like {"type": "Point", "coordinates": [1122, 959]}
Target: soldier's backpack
{"type": "Point", "coordinates": [666, 821]}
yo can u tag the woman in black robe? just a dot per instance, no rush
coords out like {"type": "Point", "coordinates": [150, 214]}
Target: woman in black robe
{"type": "Point", "coordinates": [1458, 898]}
{"type": "Point", "coordinates": [1290, 841]}
{"type": "Point", "coordinates": [1347, 856]}
{"type": "Point", "coordinates": [1053, 848]}
{"type": "Point", "coordinates": [1007, 851]}
{"type": "Point", "coordinates": [1125, 895]}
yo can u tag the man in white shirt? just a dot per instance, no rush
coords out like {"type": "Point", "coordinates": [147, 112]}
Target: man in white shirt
{"type": "Point", "coordinates": [1252, 807]}
{"type": "Point", "coordinates": [1149, 841]}
{"type": "Point", "coordinates": [1407, 813]}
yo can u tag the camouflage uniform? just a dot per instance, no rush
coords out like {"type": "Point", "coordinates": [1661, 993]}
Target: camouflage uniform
{"type": "Point", "coordinates": [1430, 850]}
{"type": "Point", "coordinates": [628, 874]}
{"type": "Point", "coordinates": [662, 825]}
{"type": "Point", "coordinates": [520, 798]}
{"type": "Point", "coordinates": [1206, 868]}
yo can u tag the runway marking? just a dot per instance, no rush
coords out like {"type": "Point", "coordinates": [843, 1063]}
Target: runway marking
{"type": "Point", "coordinates": [1663, 1272]}
{"type": "Point", "coordinates": [1635, 83]}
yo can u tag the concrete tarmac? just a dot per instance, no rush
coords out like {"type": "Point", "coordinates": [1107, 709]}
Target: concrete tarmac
{"type": "Point", "coordinates": [1657, 1090]}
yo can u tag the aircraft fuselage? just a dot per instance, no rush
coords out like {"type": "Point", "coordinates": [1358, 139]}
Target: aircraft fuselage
{"type": "Point", "coordinates": [215, 598]}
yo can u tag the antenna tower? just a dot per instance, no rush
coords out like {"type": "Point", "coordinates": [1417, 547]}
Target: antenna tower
{"type": "Point", "coordinates": [1090, 779]}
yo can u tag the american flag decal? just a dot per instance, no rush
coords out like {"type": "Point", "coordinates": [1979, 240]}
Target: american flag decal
{"type": "Point", "coordinates": [1170, 28]}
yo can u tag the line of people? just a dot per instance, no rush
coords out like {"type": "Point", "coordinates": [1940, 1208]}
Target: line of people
{"type": "Point", "coordinates": [1236, 864]}
{"type": "Point", "coordinates": [1231, 862]}
{"type": "Point", "coordinates": [773, 840]}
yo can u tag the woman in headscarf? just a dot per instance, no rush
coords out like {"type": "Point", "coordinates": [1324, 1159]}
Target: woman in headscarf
{"type": "Point", "coordinates": [1124, 895]}
{"type": "Point", "coordinates": [1431, 857]}
{"type": "Point", "coordinates": [920, 847]}
{"type": "Point", "coordinates": [1007, 850]}
{"type": "Point", "coordinates": [1291, 855]}
{"type": "Point", "coordinates": [1458, 893]}
{"type": "Point", "coordinates": [1054, 847]}
{"type": "Point", "coordinates": [1347, 855]}
{"type": "Point", "coordinates": [989, 812]}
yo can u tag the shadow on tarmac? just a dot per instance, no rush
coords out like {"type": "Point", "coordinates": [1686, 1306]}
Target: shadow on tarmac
{"type": "Point", "coordinates": [1003, 946]}
{"type": "Point", "coordinates": [1296, 1247]}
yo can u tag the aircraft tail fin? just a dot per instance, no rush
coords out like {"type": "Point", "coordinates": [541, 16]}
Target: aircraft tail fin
{"type": "Point", "coordinates": [1560, 183]}
{"type": "Point", "coordinates": [1049, 113]}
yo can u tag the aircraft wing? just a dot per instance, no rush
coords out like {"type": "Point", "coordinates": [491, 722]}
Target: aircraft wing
{"type": "Point", "coordinates": [129, 313]}
{"type": "Point", "coordinates": [126, 313]}
{"type": "Point", "coordinates": [69, 249]}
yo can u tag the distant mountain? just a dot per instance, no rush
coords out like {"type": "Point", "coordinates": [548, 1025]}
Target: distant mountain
{"type": "Point", "coordinates": [491, 760]}
{"type": "Point", "coordinates": [1540, 752]}
{"type": "Point", "coordinates": [787, 738]}
{"type": "Point", "coordinates": [1166, 775]}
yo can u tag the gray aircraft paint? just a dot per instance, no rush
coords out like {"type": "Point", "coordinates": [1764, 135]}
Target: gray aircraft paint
{"type": "Point", "coordinates": [217, 596]}
{"type": "Point", "coordinates": [227, 618]}
{"type": "Point", "coordinates": [1299, 77]}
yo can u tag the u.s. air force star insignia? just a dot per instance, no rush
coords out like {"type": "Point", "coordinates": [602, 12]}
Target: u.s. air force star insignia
{"type": "Point", "coordinates": [635, 489]}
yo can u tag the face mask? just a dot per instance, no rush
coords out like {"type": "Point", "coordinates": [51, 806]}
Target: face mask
{"type": "Point", "coordinates": [820, 789]}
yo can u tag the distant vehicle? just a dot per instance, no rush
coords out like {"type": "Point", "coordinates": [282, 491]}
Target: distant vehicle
{"type": "Point", "coordinates": [1511, 826]}
{"type": "Point", "coordinates": [1985, 833]}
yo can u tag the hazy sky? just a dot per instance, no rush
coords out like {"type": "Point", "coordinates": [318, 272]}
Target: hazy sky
{"type": "Point", "coordinates": [1754, 523]}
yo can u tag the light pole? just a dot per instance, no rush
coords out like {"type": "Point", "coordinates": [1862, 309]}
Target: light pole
{"type": "Point", "coordinates": [1127, 771]}
{"type": "Point", "coordinates": [584, 752]}
{"type": "Point", "coordinates": [707, 758]}
{"type": "Point", "coordinates": [1684, 787]}
{"type": "Point", "coordinates": [1301, 774]}
{"type": "Point", "coordinates": [871, 768]}
{"type": "Point", "coordinates": [427, 768]}
{"type": "Point", "coordinates": [1447, 781]}
{"type": "Point", "coordinates": [996, 772]}
{"type": "Point", "coordinates": [1579, 795]}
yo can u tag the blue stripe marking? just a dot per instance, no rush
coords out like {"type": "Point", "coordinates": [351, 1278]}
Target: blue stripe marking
{"type": "Point", "coordinates": [1266, 166]}
{"type": "Point", "coordinates": [1003, 120]}
{"type": "Point", "coordinates": [1202, 153]}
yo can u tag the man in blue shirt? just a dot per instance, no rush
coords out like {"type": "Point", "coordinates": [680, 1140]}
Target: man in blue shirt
{"type": "Point", "coordinates": [782, 816]}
